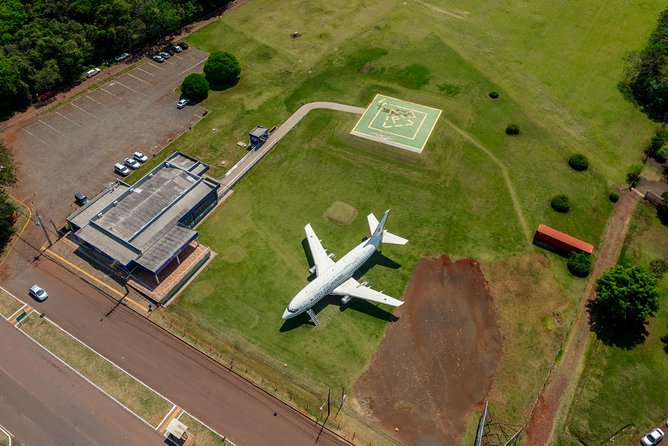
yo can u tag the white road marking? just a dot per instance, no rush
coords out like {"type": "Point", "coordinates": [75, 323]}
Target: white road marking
{"type": "Point", "coordinates": [50, 126]}
{"type": "Point", "coordinates": [72, 121]}
{"type": "Point", "coordinates": [16, 313]}
{"type": "Point", "coordinates": [6, 432]}
{"type": "Point", "coordinates": [193, 66]}
{"type": "Point", "coordinates": [36, 137]}
{"type": "Point", "coordinates": [169, 412]}
{"type": "Point", "coordinates": [140, 80]}
{"type": "Point", "coordinates": [94, 100]}
{"type": "Point", "coordinates": [131, 89]}
{"type": "Point", "coordinates": [76, 106]}
{"type": "Point", "coordinates": [155, 65]}
{"type": "Point", "coordinates": [108, 92]}
{"type": "Point", "coordinates": [141, 69]}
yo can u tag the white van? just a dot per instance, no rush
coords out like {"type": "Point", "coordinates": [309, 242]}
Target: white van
{"type": "Point", "coordinates": [92, 72]}
{"type": "Point", "coordinates": [121, 169]}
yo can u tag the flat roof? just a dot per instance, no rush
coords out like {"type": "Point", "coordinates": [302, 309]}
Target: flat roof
{"type": "Point", "coordinates": [140, 222]}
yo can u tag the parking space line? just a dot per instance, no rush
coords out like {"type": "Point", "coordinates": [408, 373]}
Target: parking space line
{"type": "Point", "coordinates": [131, 89]}
{"type": "Point", "coordinates": [72, 121]}
{"type": "Point", "coordinates": [155, 65]}
{"type": "Point", "coordinates": [193, 66]}
{"type": "Point", "coordinates": [94, 100]}
{"type": "Point", "coordinates": [140, 80]}
{"type": "Point", "coordinates": [178, 57]}
{"type": "Point", "coordinates": [76, 106]}
{"type": "Point", "coordinates": [108, 92]}
{"type": "Point", "coordinates": [36, 137]}
{"type": "Point", "coordinates": [50, 126]}
{"type": "Point", "coordinates": [141, 69]}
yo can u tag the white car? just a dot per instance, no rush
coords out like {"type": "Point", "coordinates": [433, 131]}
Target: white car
{"type": "Point", "coordinates": [131, 163]}
{"type": "Point", "coordinates": [182, 103]}
{"type": "Point", "coordinates": [121, 57]}
{"type": "Point", "coordinates": [92, 72]}
{"type": "Point", "coordinates": [652, 438]}
{"type": "Point", "coordinates": [158, 58]}
{"type": "Point", "coordinates": [121, 169]}
{"type": "Point", "coordinates": [38, 293]}
{"type": "Point", "coordinates": [140, 157]}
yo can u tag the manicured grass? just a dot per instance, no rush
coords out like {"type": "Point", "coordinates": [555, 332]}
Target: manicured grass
{"type": "Point", "coordinates": [8, 304]}
{"type": "Point", "coordinates": [452, 198]}
{"type": "Point", "coordinates": [625, 390]}
{"type": "Point", "coordinates": [201, 435]}
{"type": "Point", "coordinates": [130, 392]}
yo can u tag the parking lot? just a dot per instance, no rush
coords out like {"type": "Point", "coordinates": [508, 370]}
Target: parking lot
{"type": "Point", "coordinates": [73, 147]}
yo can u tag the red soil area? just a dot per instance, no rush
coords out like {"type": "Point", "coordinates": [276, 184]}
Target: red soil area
{"type": "Point", "coordinates": [437, 361]}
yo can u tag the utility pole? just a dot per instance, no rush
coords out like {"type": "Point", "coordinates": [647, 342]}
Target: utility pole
{"type": "Point", "coordinates": [39, 223]}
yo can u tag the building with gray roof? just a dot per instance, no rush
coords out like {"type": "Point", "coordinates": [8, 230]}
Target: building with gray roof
{"type": "Point", "coordinates": [143, 227]}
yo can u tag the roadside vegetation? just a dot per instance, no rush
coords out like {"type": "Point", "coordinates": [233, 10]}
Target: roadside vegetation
{"type": "Point", "coordinates": [8, 217]}
{"type": "Point", "coordinates": [137, 397]}
{"type": "Point", "coordinates": [622, 392]}
{"type": "Point", "coordinates": [8, 304]}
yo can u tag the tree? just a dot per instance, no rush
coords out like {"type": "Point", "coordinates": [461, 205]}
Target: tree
{"type": "Point", "coordinates": [664, 197]}
{"type": "Point", "coordinates": [633, 175]}
{"type": "Point", "coordinates": [512, 129]}
{"type": "Point", "coordinates": [627, 293]}
{"type": "Point", "coordinates": [7, 218]}
{"type": "Point", "coordinates": [195, 87]}
{"type": "Point", "coordinates": [222, 69]}
{"type": "Point", "coordinates": [7, 175]}
{"type": "Point", "coordinates": [561, 203]}
{"type": "Point", "coordinates": [578, 162]}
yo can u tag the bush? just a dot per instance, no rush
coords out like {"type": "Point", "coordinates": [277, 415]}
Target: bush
{"type": "Point", "coordinates": [578, 162]}
{"type": "Point", "coordinates": [614, 197]}
{"type": "Point", "coordinates": [493, 95]}
{"type": "Point", "coordinates": [579, 264]}
{"type": "Point", "coordinates": [512, 129]}
{"type": "Point", "coordinates": [222, 69]}
{"type": "Point", "coordinates": [633, 175]}
{"type": "Point", "coordinates": [561, 203]}
{"type": "Point", "coordinates": [664, 197]}
{"type": "Point", "coordinates": [658, 267]}
{"type": "Point", "coordinates": [195, 87]}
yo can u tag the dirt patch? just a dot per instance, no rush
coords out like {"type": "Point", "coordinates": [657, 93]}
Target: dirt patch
{"type": "Point", "coordinates": [341, 213]}
{"type": "Point", "coordinates": [437, 362]}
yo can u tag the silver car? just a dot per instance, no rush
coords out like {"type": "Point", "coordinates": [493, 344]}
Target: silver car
{"type": "Point", "coordinates": [652, 438]}
{"type": "Point", "coordinates": [38, 293]}
{"type": "Point", "coordinates": [140, 157]}
{"type": "Point", "coordinates": [132, 163]}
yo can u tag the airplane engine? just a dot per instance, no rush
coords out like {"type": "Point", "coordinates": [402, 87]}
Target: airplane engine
{"type": "Point", "coordinates": [311, 270]}
{"type": "Point", "coordinates": [345, 299]}
{"type": "Point", "coordinates": [365, 283]}
{"type": "Point", "coordinates": [332, 255]}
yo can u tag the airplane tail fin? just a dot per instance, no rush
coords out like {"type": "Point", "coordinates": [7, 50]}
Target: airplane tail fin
{"type": "Point", "coordinates": [377, 227]}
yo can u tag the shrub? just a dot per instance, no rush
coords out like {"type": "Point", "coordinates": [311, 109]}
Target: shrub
{"type": "Point", "coordinates": [633, 175]}
{"type": "Point", "coordinates": [664, 197]}
{"type": "Point", "coordinates": [493, 95]}
{"type": "Point", "coordinates": [579, 264]}
{"type": "Point", "coordinates": [578, 162]}
{"type": "Point", "coordinates": [658, 267]}
{"type": "Point", "coordinates": [195, 87]}
{"type": "Point", "coordinates": [512, 129]}
{"type": "Point", "coordinates": [614, 197]}
{"type": "Point", "coordinates": [561, 203]}
{"type": "Point", "coordinates": [222, 69]}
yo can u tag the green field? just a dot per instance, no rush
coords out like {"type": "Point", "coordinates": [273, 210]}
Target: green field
{"type": "Point", "coordinates": [473, 192]}
{"type": "Point", "coordinates": [623, 392]}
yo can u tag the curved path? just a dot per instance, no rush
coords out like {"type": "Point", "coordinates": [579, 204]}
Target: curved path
{"type": "Point", "coordinates": [240, 169]}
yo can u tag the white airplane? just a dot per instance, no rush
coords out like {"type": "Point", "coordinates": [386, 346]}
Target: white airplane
{"type": "Point", "coordinates": [336, 277]}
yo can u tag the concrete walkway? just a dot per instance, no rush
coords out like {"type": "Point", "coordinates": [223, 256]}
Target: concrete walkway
{"type": "Point", "coordinates": [240, 169]}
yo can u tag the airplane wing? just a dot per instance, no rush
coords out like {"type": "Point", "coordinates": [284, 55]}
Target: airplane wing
{"type": "Point", "coordinates": [352, 287]}
{"type": "Point", "coordinates": [320, 257]}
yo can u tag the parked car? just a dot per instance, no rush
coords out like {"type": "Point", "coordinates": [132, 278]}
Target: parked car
{"type": "Point", "coordinates": [37, 293]}
{"type": "Point", "coordinates": [182, 103]}
{"type": "Point", "coordinates": [183, 45]}
{"type": "Point", "coordinates": [122, 57]}
{"type": "Point", "coordinates": [165, 55]}
{"type": "Point", "coordinates": [177, 48]}
{"type": "Point", "coordinates": [158, 58]}
{"type": "Point", "coordinates": [80, 198]}
{"type": "Point", "coordinates": [652, 438]}
{"type": "Point", "coordinates": [132, 163]}
{"type": "Point", "coordinates": [140, 157]}
{"type": "Point", "coordinates": [121, 169]}
{"type": "Point", "coordinates": [92, 72]}
{"type": "Point", "coordinates": [169, 50]}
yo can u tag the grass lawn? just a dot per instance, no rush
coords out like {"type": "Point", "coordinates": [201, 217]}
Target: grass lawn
{"type": "Point", "coordinates": [130, 392]}
{"type": "Point", "coordinates": [624, 392]}
{"type": "Point", "coordinates": [201, 435]}
{"type": "Point", "coordinates": [8, 304]}
{"type": "Point", "coordinates": [556, 68]}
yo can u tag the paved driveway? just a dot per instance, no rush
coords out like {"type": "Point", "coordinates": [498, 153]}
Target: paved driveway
{"type": "Point", "coordinates": [73, 147]}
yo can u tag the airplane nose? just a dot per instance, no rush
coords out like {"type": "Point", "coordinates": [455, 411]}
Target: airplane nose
{"type": "Point", "coordinates": [286, 315]}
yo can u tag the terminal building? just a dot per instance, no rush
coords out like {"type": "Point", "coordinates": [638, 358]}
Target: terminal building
{"type": "Point", "coordinates": [145, 230]}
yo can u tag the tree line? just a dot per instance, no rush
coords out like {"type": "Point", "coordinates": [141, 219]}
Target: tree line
{"type": "Point", "coordinates": [45, 44]}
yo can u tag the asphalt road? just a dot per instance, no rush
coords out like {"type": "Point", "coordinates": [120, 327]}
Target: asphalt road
{"type": "Point", "coordinates": [42, 402]}
{"type": "Point", "coordinates": [223, 400]}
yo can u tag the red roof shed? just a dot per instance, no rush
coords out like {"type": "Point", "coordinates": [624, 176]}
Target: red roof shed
{"type": "Point", "coordinates": [561, 241]}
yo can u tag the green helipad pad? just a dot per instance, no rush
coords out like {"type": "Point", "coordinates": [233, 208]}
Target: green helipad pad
{"type": "Point", "coordinates": [398, 123]}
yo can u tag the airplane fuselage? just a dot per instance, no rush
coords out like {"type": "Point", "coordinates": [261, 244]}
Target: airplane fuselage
{"type": "Point", "coordinates": [332, 277]}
